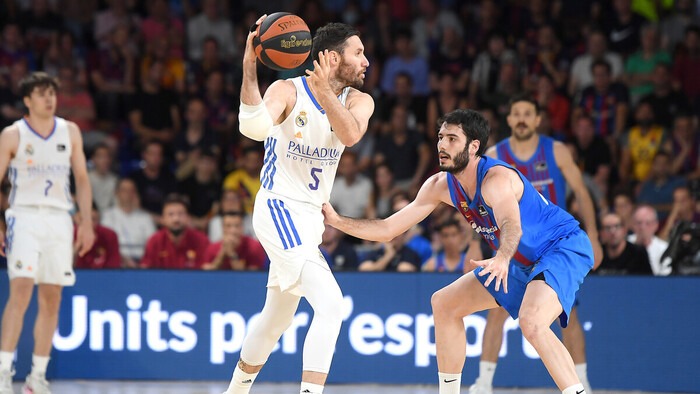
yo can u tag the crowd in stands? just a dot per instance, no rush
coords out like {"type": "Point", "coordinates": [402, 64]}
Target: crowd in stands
{"type": "Point", "coordinates": [154, 87]}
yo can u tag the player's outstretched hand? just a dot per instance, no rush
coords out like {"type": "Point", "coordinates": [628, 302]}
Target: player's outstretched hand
{"type": "Point", "coordinates": [84, 239]}
{"type": "Point", "coordinates": [249, 56]}
{"type": "Point", "coordinates": [330, 216]}
{"type": "Point", "coordinates": [497, 270]}
{"type": "Point", "coordinates": [319, 78]}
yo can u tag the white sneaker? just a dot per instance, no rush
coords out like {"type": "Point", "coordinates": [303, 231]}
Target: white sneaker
{"type": "Point", "coordinates": [6, 382]}
{"type": "Point", "coordinates": [480, 388]}
{"type": "Point", "coordinates": [36, 385]}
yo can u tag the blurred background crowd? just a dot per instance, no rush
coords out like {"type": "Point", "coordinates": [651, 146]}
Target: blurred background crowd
{"type": "Point", "coordinates": [154, 87]}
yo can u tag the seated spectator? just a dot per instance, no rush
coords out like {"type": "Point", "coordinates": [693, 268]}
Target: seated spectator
{"type": "Point", "coordinates": [208, 62]}
{"type": "Point", "coordinates": [401, 95]}
{"type": "Point", "coordinates": [639, 68]}
{"type": "Point", "coordinates": [202, 190]}
{"type": "Point", "coordinates": [508, 86]}
{"type": "Point", "coordinates": [210, 23]}
{"type": "Point", "coordinates": [620, 257]}
{"type": "Point", "coordinates": [622, 27]}
{"type": "Point", "coordinates": [683, 210]}
{"type": "Point", "coordinates": [657, 190]}
{"type": "Point", "coordinates": [557, 106]}
{"type": "Point", "coordinates": [452, 58]}
{"type": "Point", "coordinates": [230, 202]}
{"type": "Point", "coordinates": [63, 53]}
{"type": "Point", "coordinates": [640, 144]}
{"type": "Point", "coordinates": [133, 225]}
{"type": "Point", "coordinates": [221, 108]}
{"type": "Point", "coordinates": [245, 181]}
{"type": "Point", "coordinates": [407, 61]}
{"type": "Point", "coordinates": [102, 180]}
{"type": "Point", "coordinates": [74, 102]}
{"type": "Point", "coordinates": [351, 190]}
{"type": "Point", "coordinates": [117, 14]}
{"type": "Point", "coordinates": [176, 245]}
{"type": "Point", "coordinates": [487, 66]}
{"type": "Point", "coordinates": [405, 151]}
{"type": "Point", "coordinates": [154, 115]}
{"type": "Point", "coordinates": [686, 147]}
{"type": "Point", "coordinates": [453, 257]}
{"type": "Point", "coordinates": [666, 102]}
{"type": "Point", "coordinates": [581, 75]}
{"type": "Point", "coordinates": [673, 25]}
{"type": "Point", "coordinates": [392, 256]}
{"type": "Point", "coordinates": [173, 77]}
{"type": "Point", "coordinates": [235, 251]}
{"type": "Point", "coordinates": [430, 26]}
{"type": "Point", "coordinates": [687, 63]}
{"type": "Point", "coordinates": [593, 155]}
{"type": "Point", "coordinates": [153, 181]}
{"type": "Point", "coordinates": [624, 206]}
{"type": "Point", "coordinates": [339, 254]}
{"type": "Point", "coordinates": [547, 58]}
{"type": "Point", "coordinates": [104, 252]}
{"type": "Point", "coordinates": [646, 224]}
{"type": "Point", "coordinates": [445, 100]}
{"type": "Point", "coordinates": [39, 23]}
{"type": "Point", "coordinates": [379, 206]}
{"type": "Point", "coordinates": [194, 139]}
{"type": "Point", "coordinates": [12, 50]}
{"type": "Point", "coordinates": [112, 74]}
{"type": "Point", "coordinates": [11, 101]}
{"type": "Point", "coordinates": [162, 22]}
{"type": "Point", "coordinates": [606, 102]}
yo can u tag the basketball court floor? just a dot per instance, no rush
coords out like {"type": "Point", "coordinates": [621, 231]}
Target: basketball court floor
{"type": "Point", "coordinates": [143, 387]}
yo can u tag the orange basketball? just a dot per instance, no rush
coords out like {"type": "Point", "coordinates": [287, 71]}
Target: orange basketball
{"type": "Point", "coordinates": [283, 41]}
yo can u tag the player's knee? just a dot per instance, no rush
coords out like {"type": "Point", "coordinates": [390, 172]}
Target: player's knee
{"type": "Point", "coordinates": [531, 327]}
{"type": "Point", "coordinates": [440, 303]}
{"type": "Point", "coordinates": [331, 307]}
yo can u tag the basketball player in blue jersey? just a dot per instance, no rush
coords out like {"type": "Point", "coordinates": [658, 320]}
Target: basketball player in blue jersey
{"type": "Point", "coordinates": [40, 151]}
{"type": "Point", "coordinates": [541, 254]}
{"type": "Point", "coordinates": [306, 122]}
{"type": "Point", "coordinates": [548, 165]}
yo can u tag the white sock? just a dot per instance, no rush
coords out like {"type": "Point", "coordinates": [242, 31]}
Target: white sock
{"type": "Point", "coordinates": [6, 359]}
{"type": "Point", "coordinates": [310, 388]}
{"type": "Point", "coordinates": [450, 382]}
{"type": "Point", "coordinates": [486, 371]}
{"type": "Point", "coordinates": [39, 365]}
{"type": "Point", "coordinates": [582, 373]}
{"type": "Point", "coordinates": [575, 389]}
{"type": "Point", "coordinates": [240, 381]}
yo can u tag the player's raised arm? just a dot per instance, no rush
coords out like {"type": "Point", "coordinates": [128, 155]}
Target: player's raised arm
{"type": "Point", "coordinates": [384, 230]}
{"type": "Point", "coordinates": [257, 116]}
{"type": "Point", "coordinates": [502, 189]}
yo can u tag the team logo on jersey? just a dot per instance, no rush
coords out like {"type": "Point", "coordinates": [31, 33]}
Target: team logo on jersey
{"type": "Point", "coordinates": [18, 265]}
{"type": "Point", "coordinates": [483, 211]}
{"type": "Point", "coordinates": [191, 254]}
{"type": "Point", "coordinates": [301, 119]}
{"type": "Point", "coordinates": [29, 150]}
{"type": "Point", "coordinates": [541, 166]}
{"type": "Point", "coordinates": [464, 204]}
{"type": "Point", "coordinates": [60, 147]}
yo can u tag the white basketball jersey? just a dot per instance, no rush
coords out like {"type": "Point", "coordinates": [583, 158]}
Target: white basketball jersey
{"type": "Point", "coordinates": [40, 171]}
{"type": "Point", "coordinates": [302, 152]}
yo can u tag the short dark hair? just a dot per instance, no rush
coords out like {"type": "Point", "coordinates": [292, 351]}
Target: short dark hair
{"type": "Point", "coordinates": [523, 97]}
{"type": "Point", "coordinates": [333, 37]}
{"type": "Point", "coordinates": [37, 79]}
{"type": "Point", "coordinates": [176, 198]}
{"type": "Point", "coordinates": [447, 223]}
{"type": "Point", "coordinates": [601, 63]}
{"type": "Point", "coordinates": [473, 124]}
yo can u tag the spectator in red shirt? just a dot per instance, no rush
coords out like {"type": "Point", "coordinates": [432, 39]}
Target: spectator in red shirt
{"type": "Point", "coordinates": [235, 251]}
{"type": "Point", "coordinates": [686, 63]}
{"type": "Point", "coordinates": [176, 245]}
{"type": "Point", "coordinates": [105, 250]}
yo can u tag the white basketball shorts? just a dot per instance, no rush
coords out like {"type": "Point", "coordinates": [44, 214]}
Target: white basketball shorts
{"type": "Point", "coordinates": [290, 231]}
{"type": "Point", "coordinates": [39, 245]}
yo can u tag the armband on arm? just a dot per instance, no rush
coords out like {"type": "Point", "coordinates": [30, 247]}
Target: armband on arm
{"type": "Point", "coordinates": [254, 121]}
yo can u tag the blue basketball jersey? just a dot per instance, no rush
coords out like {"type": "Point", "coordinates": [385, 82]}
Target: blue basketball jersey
{"type": "Point", "coordinates": [542, 222]}
{"type": "Point", "coordinates": [541, 169]}
{"type": "Point", "coordinates": [441, 266]}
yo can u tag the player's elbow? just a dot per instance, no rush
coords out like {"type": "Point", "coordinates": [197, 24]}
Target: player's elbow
{"type": "Point", "coordinates": [350, 139]}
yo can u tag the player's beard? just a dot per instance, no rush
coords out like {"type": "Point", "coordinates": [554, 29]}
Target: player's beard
{"type": "Point", "coordinates": [523, 137]}
{"type": "Point", "coordinates": [347, 75]}
{"type": "Point", "coordinates": [460, 162]}
{"type": "Point", "coordinates": [176, 231]}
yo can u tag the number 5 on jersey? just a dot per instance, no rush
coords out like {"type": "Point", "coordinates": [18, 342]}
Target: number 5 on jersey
{"type": "Point", "coordinates": [314, 186]}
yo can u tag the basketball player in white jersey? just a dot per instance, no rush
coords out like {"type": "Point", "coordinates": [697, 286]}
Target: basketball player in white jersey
{"type": "Point", "coordinates": [306, 122]}
{"type": "Point", "coordinates": [40, 150]}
